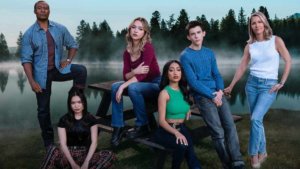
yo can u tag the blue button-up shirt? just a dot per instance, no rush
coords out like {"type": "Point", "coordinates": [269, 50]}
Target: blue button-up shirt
{"type": "Point", "coordinates": [35, 50]}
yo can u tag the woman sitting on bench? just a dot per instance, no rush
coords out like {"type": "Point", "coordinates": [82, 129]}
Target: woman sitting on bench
{"type": "Point", "coordinates": [141, 79]}
{"type": "Point", "coordinates": [173, 109]}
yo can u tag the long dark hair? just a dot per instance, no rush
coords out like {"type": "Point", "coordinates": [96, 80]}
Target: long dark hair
{"type": "Point", "coordinates": [182, 82]}
{"type": "Point", "coordinates": [74, 91]}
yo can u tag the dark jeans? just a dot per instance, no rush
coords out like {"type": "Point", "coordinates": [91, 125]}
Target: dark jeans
{"type": "Point", "coordinates": [223, 131]}
{"type": "Point", "coordinates": [78, 74]}
{"type": "Point", "coordinates": [181, 152]}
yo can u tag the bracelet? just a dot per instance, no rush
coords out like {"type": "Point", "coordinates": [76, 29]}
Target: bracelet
{"type": "Point", "coordinates": [282, 83]}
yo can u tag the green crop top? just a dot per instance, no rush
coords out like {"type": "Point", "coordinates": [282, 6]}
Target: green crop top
{"type": "Point", "coordinates": [176, 107]}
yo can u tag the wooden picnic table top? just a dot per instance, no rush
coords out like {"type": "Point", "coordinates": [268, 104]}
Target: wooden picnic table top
{"type": "Point", "coordinates": [102, 86]}
{"type": "Point", "coordinates": [106, 86]}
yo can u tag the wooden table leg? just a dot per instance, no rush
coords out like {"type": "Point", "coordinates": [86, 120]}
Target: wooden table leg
{"type": "Point", "coordinates": [104, 104]}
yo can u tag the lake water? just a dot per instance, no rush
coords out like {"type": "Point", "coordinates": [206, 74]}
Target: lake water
{"type": "Point", "coordinates": [18, 102]}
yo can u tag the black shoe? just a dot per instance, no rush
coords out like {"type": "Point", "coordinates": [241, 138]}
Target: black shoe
{"type": "Point", "coordinates": [138, 131]}
{"type": "Point", "coordinates": [117, 135]}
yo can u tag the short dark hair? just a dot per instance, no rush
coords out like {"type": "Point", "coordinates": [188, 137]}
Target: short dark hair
{"type": "Point", "coordinates": [38, 3]}
{"type": "Point", "coordinates": [193, 24]}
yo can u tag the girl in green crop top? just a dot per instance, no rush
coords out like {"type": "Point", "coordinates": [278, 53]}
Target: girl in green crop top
{"type": "Point", "coordinates": [173, 109]}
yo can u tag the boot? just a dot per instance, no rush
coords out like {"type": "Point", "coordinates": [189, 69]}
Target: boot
{"type": "Point", "coordinates": [139, 131]}
{"type": "Point", "coordinates": [117, 135]}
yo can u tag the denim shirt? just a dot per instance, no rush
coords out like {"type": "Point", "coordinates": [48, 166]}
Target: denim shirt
{"type": "Point", "coordinates": [35, 50]}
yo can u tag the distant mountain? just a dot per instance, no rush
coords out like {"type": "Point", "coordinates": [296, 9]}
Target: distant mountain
{"type": "Point", "coordinates": [295, 15]}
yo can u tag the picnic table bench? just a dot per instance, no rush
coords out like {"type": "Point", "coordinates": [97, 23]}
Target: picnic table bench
{"type": "Point", "coordinates": [104, 119]}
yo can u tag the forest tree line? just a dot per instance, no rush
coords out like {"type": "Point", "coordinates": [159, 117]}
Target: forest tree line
{"type": "Point", "coordinates": [97, 42]}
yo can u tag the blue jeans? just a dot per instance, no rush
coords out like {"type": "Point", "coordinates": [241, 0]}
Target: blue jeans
{"type": "Point", "coordinates": [180, 151]}
{"type": "Point", "coordinates": [136, 92]}
{"type": "Point", "coordinates": [259, 101]}
{"type": "Point", "coordinates": [78, 74]}
{"type": "Point", "coordinates": [222, 130]}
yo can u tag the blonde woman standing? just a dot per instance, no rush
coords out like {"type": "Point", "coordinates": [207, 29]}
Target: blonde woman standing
{"type": "Point", "coordinates": [262, 53]}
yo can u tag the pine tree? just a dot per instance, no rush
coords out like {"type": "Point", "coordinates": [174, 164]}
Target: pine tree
{"type": "Point", "coordinates": [163, 26]}
{"type": "Point", "coordinates": [83, 37]}
{"type": "Point", "coordinates": [4, 52]}
{"type": "Point", "coordinates": [214, 31]}
{"type": "Point", "coordinates": [155, 23]}
{"type": "Point", "coordinates": [19, 44]}
{"type": "Point", "coordinates": [170, 22]}
{"type": "Point", "coordinates": [106, 37]}
{"type": "Point", "coordinates": [178, 30]}
{"type": "Point", "coordinates": [204, 22]}
{"type": "Point", "coordinates": [229, 28]}
{"type": "Point", "coordinates": [242, 23]}
{"type": "Point", "coordinates": [266, 13]}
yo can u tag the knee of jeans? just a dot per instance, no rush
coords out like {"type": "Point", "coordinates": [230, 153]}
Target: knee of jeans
{"type": "Point", "coordinates": [43, 111]}
{"type": "Point", "coordinates": [218, 134]}
{"type": "Point", "coordinates": [255, 122]}
{"type": "Point", "coordinates": [81, 69]}
{"type": "Point", "coordinates": [115, 87]}
{"type": "Point", "coordinates": [132, 89]}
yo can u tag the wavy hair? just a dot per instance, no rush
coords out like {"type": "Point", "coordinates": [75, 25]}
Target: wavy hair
{"type": "Point", "coordinates": [268, 32]}
{"type": "Point", "coordinates": [165, 81]}
{"type": "Point", "coordinates": [146, 38]}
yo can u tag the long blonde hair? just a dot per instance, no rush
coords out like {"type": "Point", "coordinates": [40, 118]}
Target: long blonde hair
{"type": "Point", "coordinates": [267, 32]}
{"type": "Point", "coordinates": [146, 38]}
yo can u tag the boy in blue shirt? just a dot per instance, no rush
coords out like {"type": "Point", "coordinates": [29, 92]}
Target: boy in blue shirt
{"type": "Point", "coordinates": [206, 83]}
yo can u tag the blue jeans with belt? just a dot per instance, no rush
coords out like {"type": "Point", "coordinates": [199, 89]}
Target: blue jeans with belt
{"type": "Point", "coordinates": [181, 152]}
{"type": "Point", "coordinates": [137, 92]}
{"type": "Point", "coordinates": [222, 130]}
{"type": "Point", "coordinates": [78, 74]}
{"type": "Point", "coordinates": [259, 101]}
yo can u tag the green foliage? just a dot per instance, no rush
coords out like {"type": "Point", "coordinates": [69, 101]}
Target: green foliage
{"type": "Point", "coordinates": [169, 37]}
{"type": "Point", "coordinates": [98, 42]}
{"type": "Point", "coordinates": [4, 53]}
{"type": "Point", "coordinates": [19, 44]}
{"type": "Point", "coordinates": [229, 27]}
{"type": "Point", "coordinates": [155, 24]}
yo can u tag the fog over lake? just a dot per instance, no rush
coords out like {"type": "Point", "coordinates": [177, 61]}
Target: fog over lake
{"type": "Point", "coordinates": [18, 103]}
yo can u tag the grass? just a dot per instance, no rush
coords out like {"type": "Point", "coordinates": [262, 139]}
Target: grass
{"type": "Point", "coordinates": [24, 149]}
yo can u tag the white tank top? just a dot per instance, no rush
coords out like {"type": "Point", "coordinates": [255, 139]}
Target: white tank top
{"type": "Point", "coordinates": [264, 59]}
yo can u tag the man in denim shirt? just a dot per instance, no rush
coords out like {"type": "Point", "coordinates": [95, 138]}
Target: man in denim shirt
{"type": "Point", "coordinates": [42, 58]}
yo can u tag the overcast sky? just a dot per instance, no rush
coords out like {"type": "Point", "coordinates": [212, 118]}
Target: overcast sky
{"type": "Point", "coordinates": [17, 15]}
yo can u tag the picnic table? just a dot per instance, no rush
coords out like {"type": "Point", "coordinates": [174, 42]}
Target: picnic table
{"type": "Point", "coordinates": [104, 119]}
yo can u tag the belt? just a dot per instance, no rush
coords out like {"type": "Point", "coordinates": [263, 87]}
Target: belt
{"type": "Point", "coordinates": [77, 147]}
{"type": "Point", "coordinates": [175, 125]}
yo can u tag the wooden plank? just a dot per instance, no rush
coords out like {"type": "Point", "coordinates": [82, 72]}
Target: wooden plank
{"type": "Point", "coordinates": [146, 141]}
{"type": "Point", "coordinates": [103, 86]}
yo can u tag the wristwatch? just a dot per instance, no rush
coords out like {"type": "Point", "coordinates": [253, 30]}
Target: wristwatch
{"type": "Point", "coordinates": [69, 60]}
